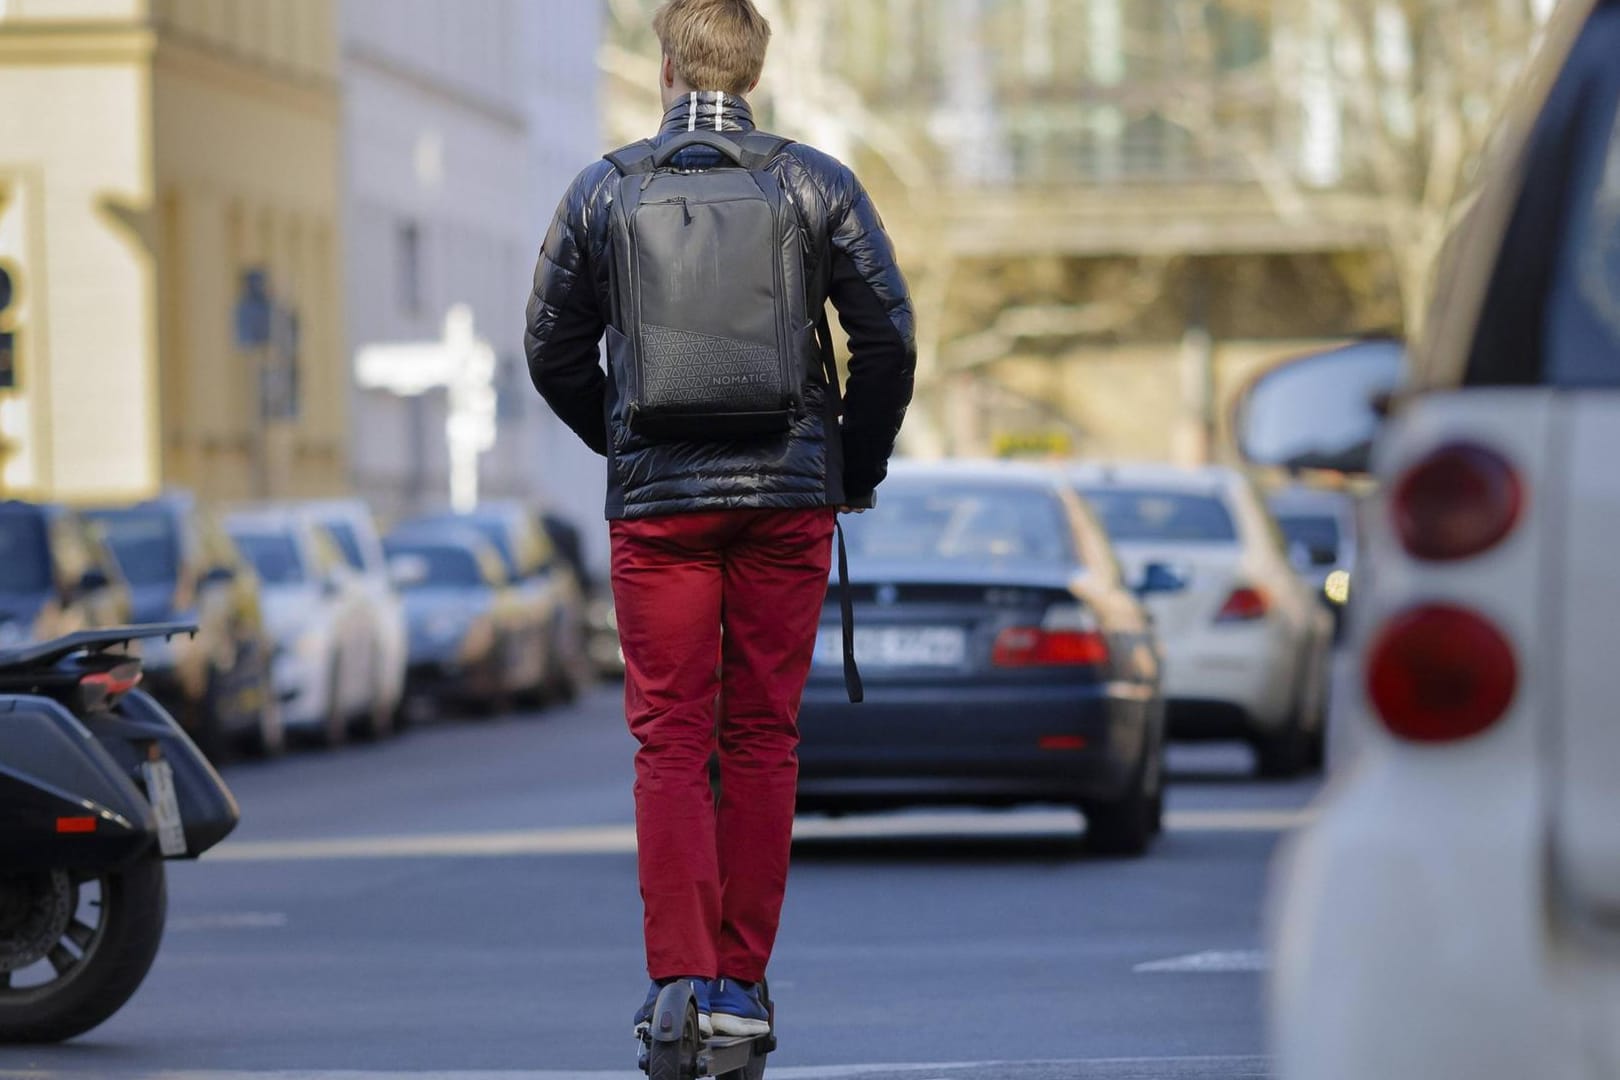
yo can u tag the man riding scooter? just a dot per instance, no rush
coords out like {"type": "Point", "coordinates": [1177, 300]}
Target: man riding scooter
{"type": "Point", "coordinates": [707, 255]}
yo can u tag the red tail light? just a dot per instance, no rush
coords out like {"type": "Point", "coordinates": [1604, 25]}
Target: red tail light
{"type": "Point", "coordinates": [1244, 604]}
{"type": "Point", "coordinates": [1031, 646]}
{"type": "Point", "coordinates": [100, 689]}
{"type": "Point", "coordinates": [1440, 673]}
{"type": "Point", "coordinates": [1460, 501]}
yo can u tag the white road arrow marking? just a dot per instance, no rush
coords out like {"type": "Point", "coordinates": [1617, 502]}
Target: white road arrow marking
{"type": "Point", "coordinates": [1208, 963]}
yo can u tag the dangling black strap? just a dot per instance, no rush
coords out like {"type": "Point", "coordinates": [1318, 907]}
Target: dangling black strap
{"type": "Point", "coordinates": [846, 604]}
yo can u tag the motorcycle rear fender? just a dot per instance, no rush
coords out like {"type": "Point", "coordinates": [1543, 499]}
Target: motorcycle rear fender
{"type": "Point", "coordinates": [66, 803]}
{"type": "Point", "coordinates": [208, 810]}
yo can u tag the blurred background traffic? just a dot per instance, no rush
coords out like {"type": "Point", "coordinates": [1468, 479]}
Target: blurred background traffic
{"type": "Point", "coordinates": [261, 269]}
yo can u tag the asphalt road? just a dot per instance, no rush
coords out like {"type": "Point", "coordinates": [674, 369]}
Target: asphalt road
{"type": "Point", "coordinates": [461, 903]}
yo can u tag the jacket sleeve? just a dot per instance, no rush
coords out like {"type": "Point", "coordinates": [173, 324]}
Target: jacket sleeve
{"type": "Point", "coordinates": [565, 323]}
{"type": "Point", "coordinates": [874, 307]}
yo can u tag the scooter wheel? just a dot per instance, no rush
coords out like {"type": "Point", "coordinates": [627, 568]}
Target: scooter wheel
{"type": "Point", "coordinates": [674, 1040]}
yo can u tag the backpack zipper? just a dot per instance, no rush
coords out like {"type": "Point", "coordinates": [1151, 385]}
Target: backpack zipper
{"type": "Point", "coordinates": [674, 200]}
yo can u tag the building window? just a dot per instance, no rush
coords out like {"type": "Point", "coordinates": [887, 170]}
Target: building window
{"type": "Point", "coordinates": [410, 268]}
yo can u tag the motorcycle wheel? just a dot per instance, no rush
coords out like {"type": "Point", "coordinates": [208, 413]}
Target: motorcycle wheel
{"type": "Point", "coordinates": [61, 975]}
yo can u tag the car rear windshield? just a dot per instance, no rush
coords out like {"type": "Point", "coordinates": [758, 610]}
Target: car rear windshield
{"type": "Point", "coordinates": [1317, 533]}
{"type": "Point", "coordinates": [145, 542]}
{"type": "Point", "coordinates": [962, 523]}
{"type": "Point", "coordinates": [1551, 316]}
{"type": "Point", "coordinates": [25, 557]}
{"type": "Point", "coordinates": [1174, 516]}
{"type": "Point", "coordinates": [274, 555]}
{"type": "Point", "coordinates": [444, 567]}
{"type": "Point", "coordinates": [492, 530]}
{"type": "Point", "coordinates": [348, 542]}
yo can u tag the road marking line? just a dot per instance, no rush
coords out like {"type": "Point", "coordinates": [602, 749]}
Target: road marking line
{"type": "Point", "coordinates": [1214, 962]}
{"type": "Point", "coordinates": [230, 920]}
{"type": "Point", "coordinates": [621, 839]}
{"type": "Point", "coordinates": [1231, 1068]}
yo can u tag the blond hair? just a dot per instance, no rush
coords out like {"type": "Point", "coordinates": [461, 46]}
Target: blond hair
{"type": "Point", "coordinates": [715, 44]}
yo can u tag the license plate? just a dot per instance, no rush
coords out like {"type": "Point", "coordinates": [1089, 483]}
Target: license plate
{"type": "Point", "coordinates": [165, 807]}
{"type": "Point", "coordinates": [896, 646]}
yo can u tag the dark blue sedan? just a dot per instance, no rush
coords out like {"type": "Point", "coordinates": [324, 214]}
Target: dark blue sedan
{"type": "Point", "coordinates": [1005, 659]}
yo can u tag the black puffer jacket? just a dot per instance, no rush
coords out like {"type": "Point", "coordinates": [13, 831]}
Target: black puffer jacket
{"type": "Point", "coordinates": [818, 462]}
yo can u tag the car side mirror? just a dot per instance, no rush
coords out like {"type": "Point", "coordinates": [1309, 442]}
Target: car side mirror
{"type": "Point", "coordinates": [1158, 578]}
{"type": "Point", "coordinates": [1321, 411]}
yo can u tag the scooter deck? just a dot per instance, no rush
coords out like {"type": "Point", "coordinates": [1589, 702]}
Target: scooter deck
{"type": "Point", "coordinates": [727, 1054]}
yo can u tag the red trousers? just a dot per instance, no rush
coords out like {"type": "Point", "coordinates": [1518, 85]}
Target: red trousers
{"type": "Point", "coordinates": [713, 876]}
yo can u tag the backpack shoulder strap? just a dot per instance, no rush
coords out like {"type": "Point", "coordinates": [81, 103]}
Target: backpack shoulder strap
{"type": "Point", "coordinates": [633, 160]}
{"type": "Point", "coordinates": [760, 148]}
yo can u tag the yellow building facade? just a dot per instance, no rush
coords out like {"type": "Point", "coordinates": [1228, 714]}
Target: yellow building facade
{"type": "Point", "coordinates": [169, 199]}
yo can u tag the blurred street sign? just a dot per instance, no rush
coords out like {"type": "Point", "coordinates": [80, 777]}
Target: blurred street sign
{"type": "Point", "coordinates": [461, 363]}
{"type": "Point", "coordinates": [278, 375]}
{"type": "Point", "coordinates": [1034, 444]}
{"type": "Point", "coordinates": [278, 391]}
{"type": "Point", "coordinates": [253, 311]}
{"type": "Point", "coordinates": [8, 337]}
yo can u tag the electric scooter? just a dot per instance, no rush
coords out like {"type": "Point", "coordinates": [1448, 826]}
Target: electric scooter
{"type": "Point", "coordinates": [672, 1048]}
{"type": "Point", "coordinates": [98, 785]}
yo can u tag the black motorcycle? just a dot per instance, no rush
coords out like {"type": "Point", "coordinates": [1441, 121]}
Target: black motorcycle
{"type": "Point", "coordinates": [98, 785]}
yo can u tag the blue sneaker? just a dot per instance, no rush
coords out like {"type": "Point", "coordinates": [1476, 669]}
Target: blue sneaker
{"type": "Point", "coordinates": [700, 988]}
{"type": "Point", "coordinates": [738, 1008]}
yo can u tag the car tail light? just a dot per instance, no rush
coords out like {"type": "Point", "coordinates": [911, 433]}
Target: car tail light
{"type": "Point", "coordinates": [1440, 673]}
{"type": "Point", "coordinates": [101, 689]}
{"type": "Point", "coordinates": [1034, 646]}
{"type": "Point", "coordinates": [1245, 603]}
{"type": "Point", "coordinates": [1460, 501]}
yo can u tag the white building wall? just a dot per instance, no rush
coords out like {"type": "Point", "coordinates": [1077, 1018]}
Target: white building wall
{"type": "Point", "coordinates": [81, 423]}
{"type": "Point", "coordinates": [462, 118]}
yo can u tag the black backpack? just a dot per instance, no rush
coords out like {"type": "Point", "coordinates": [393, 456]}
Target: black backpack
{"type": "Point", "coordinates": [710, 337]}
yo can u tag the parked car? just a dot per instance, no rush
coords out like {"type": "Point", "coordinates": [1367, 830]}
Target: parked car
{"type": "Point", "coordinates": [1453, 910]}
{"type": "Point", "coordinates": [531, 568]}
{"type": "Point", "coordinates": [462, 614]}
{"type": "Point", "coordinates": [181, 567]}
{"type": "Point", "coordinates": [579, 623]}
{"type": "Point", "coordinates": [325, 669]}
{"type": "Point", "coordinates": [353, 530]}
{"type": "Point", "coordinates": [1319, 527]}
{"type": "Point", "coordinates": [56, 576]}
{"type": "Point", "coordinates": [1246, 644]}
{"type": "Point", "coordinates": [1004, 659]}
{"type": "Point", "coordinates": [602, 633]}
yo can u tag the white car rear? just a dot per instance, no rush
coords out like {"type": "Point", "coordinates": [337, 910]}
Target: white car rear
{"type": "Point", "coordinates": [353, 530]}
{"type": "Point", "coordinates": [1455, 909]}
{"type": "Point", "coordinates": [1244, 639]}
{"type": "Point", "coordinates": [315, 610]}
